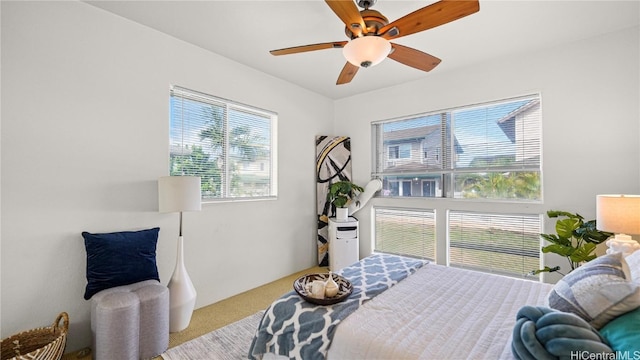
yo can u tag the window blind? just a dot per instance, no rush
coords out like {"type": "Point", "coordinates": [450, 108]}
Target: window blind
{"type": "Point", "coordinates": [405, 232]}
{"type": "Point", "coordinates": [487, 151]}
{"type": "Point", "coordinates": [498, 243]}
{"type": "Point", "coordinates": [231, 146]}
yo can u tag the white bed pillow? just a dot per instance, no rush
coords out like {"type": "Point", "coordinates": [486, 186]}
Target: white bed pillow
{"type": "Point", "coordinates": [633, 260]}
{"type": "Point", "coordinates": [598, 291]}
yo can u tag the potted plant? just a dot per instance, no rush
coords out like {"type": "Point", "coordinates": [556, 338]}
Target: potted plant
{"type": "Point", "coordinates": [575, 239]}
{"type": "Point", "coordinates": [340, 195]}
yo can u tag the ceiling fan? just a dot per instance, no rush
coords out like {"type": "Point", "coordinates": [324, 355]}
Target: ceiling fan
{"type": "Point", "coordinates": [370, 33]}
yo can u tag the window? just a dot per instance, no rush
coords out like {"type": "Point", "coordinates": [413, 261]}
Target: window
{"type": "Point", "coordinates": [470, 157]}
{"type": "Point", "coordinates": [405, 232]}
{"type": "Point", "coordinates": [402, 151]}
{"type": "Point", "coordinates": [497, 243]}
{"type": "Point", "coordinates": [488, 151]}
{"type": "Point", "coordinates": [230, 146]}
{"type": "Point", "coordinates": [394, 152]}
{"type": "Point", "coordinates": [428, 188]}
{"type": "Point", "coordinates": [399, 188]}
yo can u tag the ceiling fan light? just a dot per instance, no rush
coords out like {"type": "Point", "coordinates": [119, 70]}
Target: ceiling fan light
{"type": "Point", "coordinates": [366, 51]}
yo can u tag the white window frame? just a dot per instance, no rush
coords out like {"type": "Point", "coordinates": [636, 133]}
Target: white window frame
{"type": "Point", "coordinates": [224, 154]}
{"type": "Point", "coordinates": [444, 202]}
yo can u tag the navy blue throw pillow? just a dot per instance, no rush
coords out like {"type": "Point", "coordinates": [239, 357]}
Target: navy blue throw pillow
{"type": "Point", "coordinates": [120, 258]}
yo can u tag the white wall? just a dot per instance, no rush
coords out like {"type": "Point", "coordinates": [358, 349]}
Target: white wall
{"type": "Point", "coordinates": [591, 119]}
{"type": "Point", "coordinates": [85, 100]}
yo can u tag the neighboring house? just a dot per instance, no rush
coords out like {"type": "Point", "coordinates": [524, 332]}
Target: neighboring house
{"type": "Point", "coordinates": [254, 176]}
{"type": "Point", "coordinates": [249, 177]}
{"type": "Point", "coordinates": [521, 133]}
{"type": "Point", "coordinates": [414, 151]}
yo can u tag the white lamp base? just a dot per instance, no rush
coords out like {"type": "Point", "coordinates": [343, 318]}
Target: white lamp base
{"type": "Point", "coordinates": [182, 294]}
{"type": "Point", "coordinates": [622, 243]}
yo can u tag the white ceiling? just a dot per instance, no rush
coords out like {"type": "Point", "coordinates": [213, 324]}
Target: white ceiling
{"type": "Point", "coordinates": [245, 31]}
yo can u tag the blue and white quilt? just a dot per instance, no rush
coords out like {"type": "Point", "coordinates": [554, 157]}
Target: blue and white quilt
{"type": "Point", "coordinates": [300, 330]}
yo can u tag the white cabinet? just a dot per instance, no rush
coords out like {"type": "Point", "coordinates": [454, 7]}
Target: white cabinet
{"type": "Point", "coordinates": [344, 249]}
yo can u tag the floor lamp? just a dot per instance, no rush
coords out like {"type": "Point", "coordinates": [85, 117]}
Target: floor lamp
{"type": "Point", "coordinates": [619, 214]}
{"type": "Point", "coordinates": [179, 194]}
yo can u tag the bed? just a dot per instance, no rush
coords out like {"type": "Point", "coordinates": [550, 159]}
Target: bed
{"type": "Point", "coordinates": [436, 312]}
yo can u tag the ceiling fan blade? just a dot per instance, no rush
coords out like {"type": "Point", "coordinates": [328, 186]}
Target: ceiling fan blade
{"type": "Point", "coordinates": [414, 58]}
{"type": "Point", "coordinates": [312, 47]}
{"type": "Point", "coordinates": [348, 72]}
{"type": "Point", "coordinates": [428, 17]}
{"type": "Point", "coordinates": [348, 12]}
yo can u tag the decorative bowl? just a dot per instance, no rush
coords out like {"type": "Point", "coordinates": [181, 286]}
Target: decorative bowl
{"type": "Point", "coordinates": [344, 288]}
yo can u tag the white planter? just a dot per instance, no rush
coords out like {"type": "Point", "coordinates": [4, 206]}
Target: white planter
{"type": "Point", "coordinates": [342, 214]}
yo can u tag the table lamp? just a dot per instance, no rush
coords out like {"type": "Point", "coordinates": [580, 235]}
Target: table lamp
{"type": "Point", "coordinates": [178, 194]}
{"type": "Point", "coordinates": [619, 214]}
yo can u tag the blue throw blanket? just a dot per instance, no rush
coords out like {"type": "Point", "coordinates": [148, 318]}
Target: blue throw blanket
{"type": "Point", "coordinates": [542, 333]}
{"type": "Point", "coordinates": [300, 330]}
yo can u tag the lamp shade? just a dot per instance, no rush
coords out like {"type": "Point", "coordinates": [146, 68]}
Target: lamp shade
{"type": "Point", "coordinates": [179, 193]}
{"type": "Point", "coordinates": [618, 213]}
{"type": "Point", "coordinates": [367, 50]}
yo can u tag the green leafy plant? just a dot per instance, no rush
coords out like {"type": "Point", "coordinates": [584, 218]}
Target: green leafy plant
{"type": "Point", "coordinates": [575, 239]}
{"type": "Point", "coordinates": [342, 192]}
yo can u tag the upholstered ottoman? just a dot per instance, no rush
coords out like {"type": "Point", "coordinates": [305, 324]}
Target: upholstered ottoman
{"type": "Point", "coordinates": [130, 322]}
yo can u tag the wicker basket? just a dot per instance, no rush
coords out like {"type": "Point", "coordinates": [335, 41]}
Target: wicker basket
{"type": "Point", "coordinates": [45, 343]}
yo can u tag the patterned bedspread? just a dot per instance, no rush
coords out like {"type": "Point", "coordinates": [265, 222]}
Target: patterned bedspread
{"type": "Point", "coordinates": [300, 330]}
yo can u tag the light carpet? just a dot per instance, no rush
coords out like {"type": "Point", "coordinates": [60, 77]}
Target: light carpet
{"type": "Point", "coordinates": [231, 342]}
